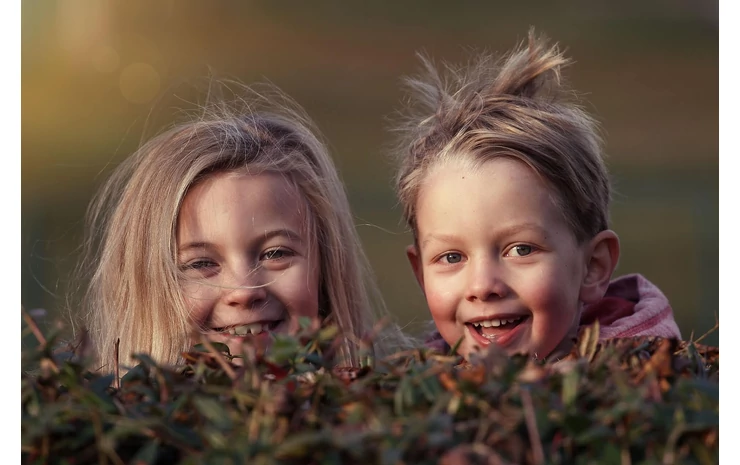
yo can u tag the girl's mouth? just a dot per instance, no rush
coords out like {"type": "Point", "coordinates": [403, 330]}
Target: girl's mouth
{"type": "Point", "coordinates": [249, 329]}
{"type": "Point", "coordinates": [498, 330]}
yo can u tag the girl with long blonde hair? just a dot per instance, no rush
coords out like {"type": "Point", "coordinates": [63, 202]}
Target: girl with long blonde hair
{"type": "Point", "coordinates": [236, 224]}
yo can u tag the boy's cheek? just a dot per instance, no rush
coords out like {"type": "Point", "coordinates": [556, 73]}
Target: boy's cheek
{"type": "Point", "coordinates": [443, 309]}
{"type": "Point", "coordinates": [440, 302]}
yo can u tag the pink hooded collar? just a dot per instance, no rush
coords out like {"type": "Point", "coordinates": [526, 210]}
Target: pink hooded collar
{"type": "Point", "coordinates": [631, 307]}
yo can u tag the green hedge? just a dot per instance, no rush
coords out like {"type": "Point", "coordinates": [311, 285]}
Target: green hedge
{"type": "Point", "coordinates": [628, 401]}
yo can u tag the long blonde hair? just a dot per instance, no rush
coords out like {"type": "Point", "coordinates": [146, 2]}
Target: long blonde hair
{"type": "Point", "coordinates": [130, 249]}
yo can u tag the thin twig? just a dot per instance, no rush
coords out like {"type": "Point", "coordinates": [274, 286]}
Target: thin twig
{"type": "Point", "coordinates": [219, 358]}
{"type": "Point", "coordinates": [534, 434]}
{"type": "Point", "coordinates": [713, 329]}
{"type": "Point", "coordinates": [117, 367]}
{"type": "Point", "coordinates": [34, 327]}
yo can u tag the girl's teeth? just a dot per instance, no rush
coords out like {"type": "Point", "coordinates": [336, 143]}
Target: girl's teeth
{"type": "Point", "coordinates": [243, 330]}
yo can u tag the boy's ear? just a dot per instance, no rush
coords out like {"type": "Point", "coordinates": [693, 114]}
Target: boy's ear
{"type": "Point", "coordinates": [601, 262]}
{"type": "Point", "coordinates": [412, 253]}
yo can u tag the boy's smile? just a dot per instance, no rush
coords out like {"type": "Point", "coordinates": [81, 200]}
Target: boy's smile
{"type": "Point", "coordinates": [496, 260]}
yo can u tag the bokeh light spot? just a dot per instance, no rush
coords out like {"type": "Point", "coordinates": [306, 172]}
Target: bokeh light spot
{"type": "Point", "coordinates": [105, 59]}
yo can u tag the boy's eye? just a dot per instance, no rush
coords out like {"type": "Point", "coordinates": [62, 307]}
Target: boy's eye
{"type": "Point", "coordinates": [520, 250]}
{"type": "Point", "coordinates": [451, 258]}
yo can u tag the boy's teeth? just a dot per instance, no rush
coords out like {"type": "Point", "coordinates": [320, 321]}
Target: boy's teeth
{"type": "Point", "coordinates": [243, 330]}
{"type": "Point", "coordinates": [496, 322]}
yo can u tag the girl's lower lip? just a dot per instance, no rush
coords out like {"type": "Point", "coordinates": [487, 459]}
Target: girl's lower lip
{"type": "Point", "coordinates": [501, 341]}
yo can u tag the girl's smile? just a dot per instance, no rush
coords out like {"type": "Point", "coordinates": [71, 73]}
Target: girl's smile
{"type": "Point", "coordinates": [248, 263]}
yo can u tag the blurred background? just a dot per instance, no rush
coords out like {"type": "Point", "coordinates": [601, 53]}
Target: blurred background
{"type": "Point", "coordinates": [98, 77]}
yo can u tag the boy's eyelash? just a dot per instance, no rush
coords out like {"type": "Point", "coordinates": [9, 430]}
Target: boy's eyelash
{"type": "Point", "coordinates": [532, 249]}
{"type": "Point", "coordinates": [509, 251]}
{"type": "Point", "coordinates": [440, 258]}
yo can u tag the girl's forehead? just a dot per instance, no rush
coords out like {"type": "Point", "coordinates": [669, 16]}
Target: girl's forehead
{"type": "Point", "coordinates": [244, 185]}
{"type": "Point", "coordinates": [247, 200]}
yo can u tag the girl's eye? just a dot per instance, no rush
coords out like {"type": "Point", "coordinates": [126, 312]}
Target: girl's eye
{"type": "Point", "coordinates": [276, 254]}
{"type": "Point", "coordinates": [451, 258]}
{"type": "Point", "coordinates": [520, 250]}
{"type": "Point", "coordinates": [198, 265]}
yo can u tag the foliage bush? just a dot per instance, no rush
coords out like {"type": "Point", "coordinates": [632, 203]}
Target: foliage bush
{"type": "Point", "coordinates": [626, 401]}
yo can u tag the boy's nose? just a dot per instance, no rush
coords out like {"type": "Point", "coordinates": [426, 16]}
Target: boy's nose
{"type": "Point", "coordinates": [485, 281]}
{"type": "Point", "coordinates": [245, 290]}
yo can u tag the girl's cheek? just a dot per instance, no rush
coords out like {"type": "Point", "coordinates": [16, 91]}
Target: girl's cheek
{"type": "Point", "coordinates": [199, 300]}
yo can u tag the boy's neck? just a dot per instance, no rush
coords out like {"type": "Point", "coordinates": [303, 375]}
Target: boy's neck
{"type": "Point", "coordinates": [565, 346]}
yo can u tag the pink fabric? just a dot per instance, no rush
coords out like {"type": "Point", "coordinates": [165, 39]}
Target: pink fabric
{"type": "Point", "coordinates": [631, 307]}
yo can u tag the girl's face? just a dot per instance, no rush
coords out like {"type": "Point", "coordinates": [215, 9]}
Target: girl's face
{"type": "Point", "coordinates": [249, 263]}
{"type": "Point", "coordinates": [496, 260]}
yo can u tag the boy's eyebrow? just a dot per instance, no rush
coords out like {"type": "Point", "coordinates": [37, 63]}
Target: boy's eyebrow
{"type": "Point", "coordinates": [439, 237]}
{"type": "Point", "coordinates": [503, 232]}
{"type": "Point", "coordinates": [519, 227]}
{"type": "Point", "coordinates": [287, 233]}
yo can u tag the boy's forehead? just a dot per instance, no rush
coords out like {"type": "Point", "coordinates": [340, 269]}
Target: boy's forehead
{"type": "Point", "coordinates": [462, 163]}
{"type": "Point", "coordinates": [502, 192]}
{"type": "Point", "coordinates": [497, 175]}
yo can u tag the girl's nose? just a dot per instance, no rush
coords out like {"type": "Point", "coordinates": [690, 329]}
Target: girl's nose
{"type": "Point", "coordinates": [485, 281]}
{"type": "Point", "coordinates": [246, 290]}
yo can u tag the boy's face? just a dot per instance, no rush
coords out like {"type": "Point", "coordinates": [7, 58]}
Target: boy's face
{"type": "Point", "coordinates": [247, 258]}
{"type": "Point", "coordinates": [496, 260]}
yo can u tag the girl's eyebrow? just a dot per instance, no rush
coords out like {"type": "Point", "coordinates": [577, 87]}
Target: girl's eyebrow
{"type": "Point", "coordinates": [194, 245]}
{"type": "Point", "coordinates": [269, 234]}
{"type": "Point", "coordinates": [284, 232]}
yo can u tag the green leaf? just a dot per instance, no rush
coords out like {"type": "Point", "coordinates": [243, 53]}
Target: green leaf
{"type": "Point", "coordinates": [213, 411]}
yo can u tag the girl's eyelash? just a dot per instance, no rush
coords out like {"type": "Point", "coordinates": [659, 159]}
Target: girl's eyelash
{"type": "Point", "coordinates": [276, 253]}
{"type": "Point", "coordinates": [196, 264]}
{"type": "Point", "coordinates": [281, 252]}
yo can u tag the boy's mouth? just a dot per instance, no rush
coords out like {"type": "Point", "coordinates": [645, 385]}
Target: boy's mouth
{"type": "Point", "coordinates": [498, 330]}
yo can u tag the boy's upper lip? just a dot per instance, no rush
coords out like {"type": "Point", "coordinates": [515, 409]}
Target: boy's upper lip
{"type": "Point", "coordinates": [496, 316]}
